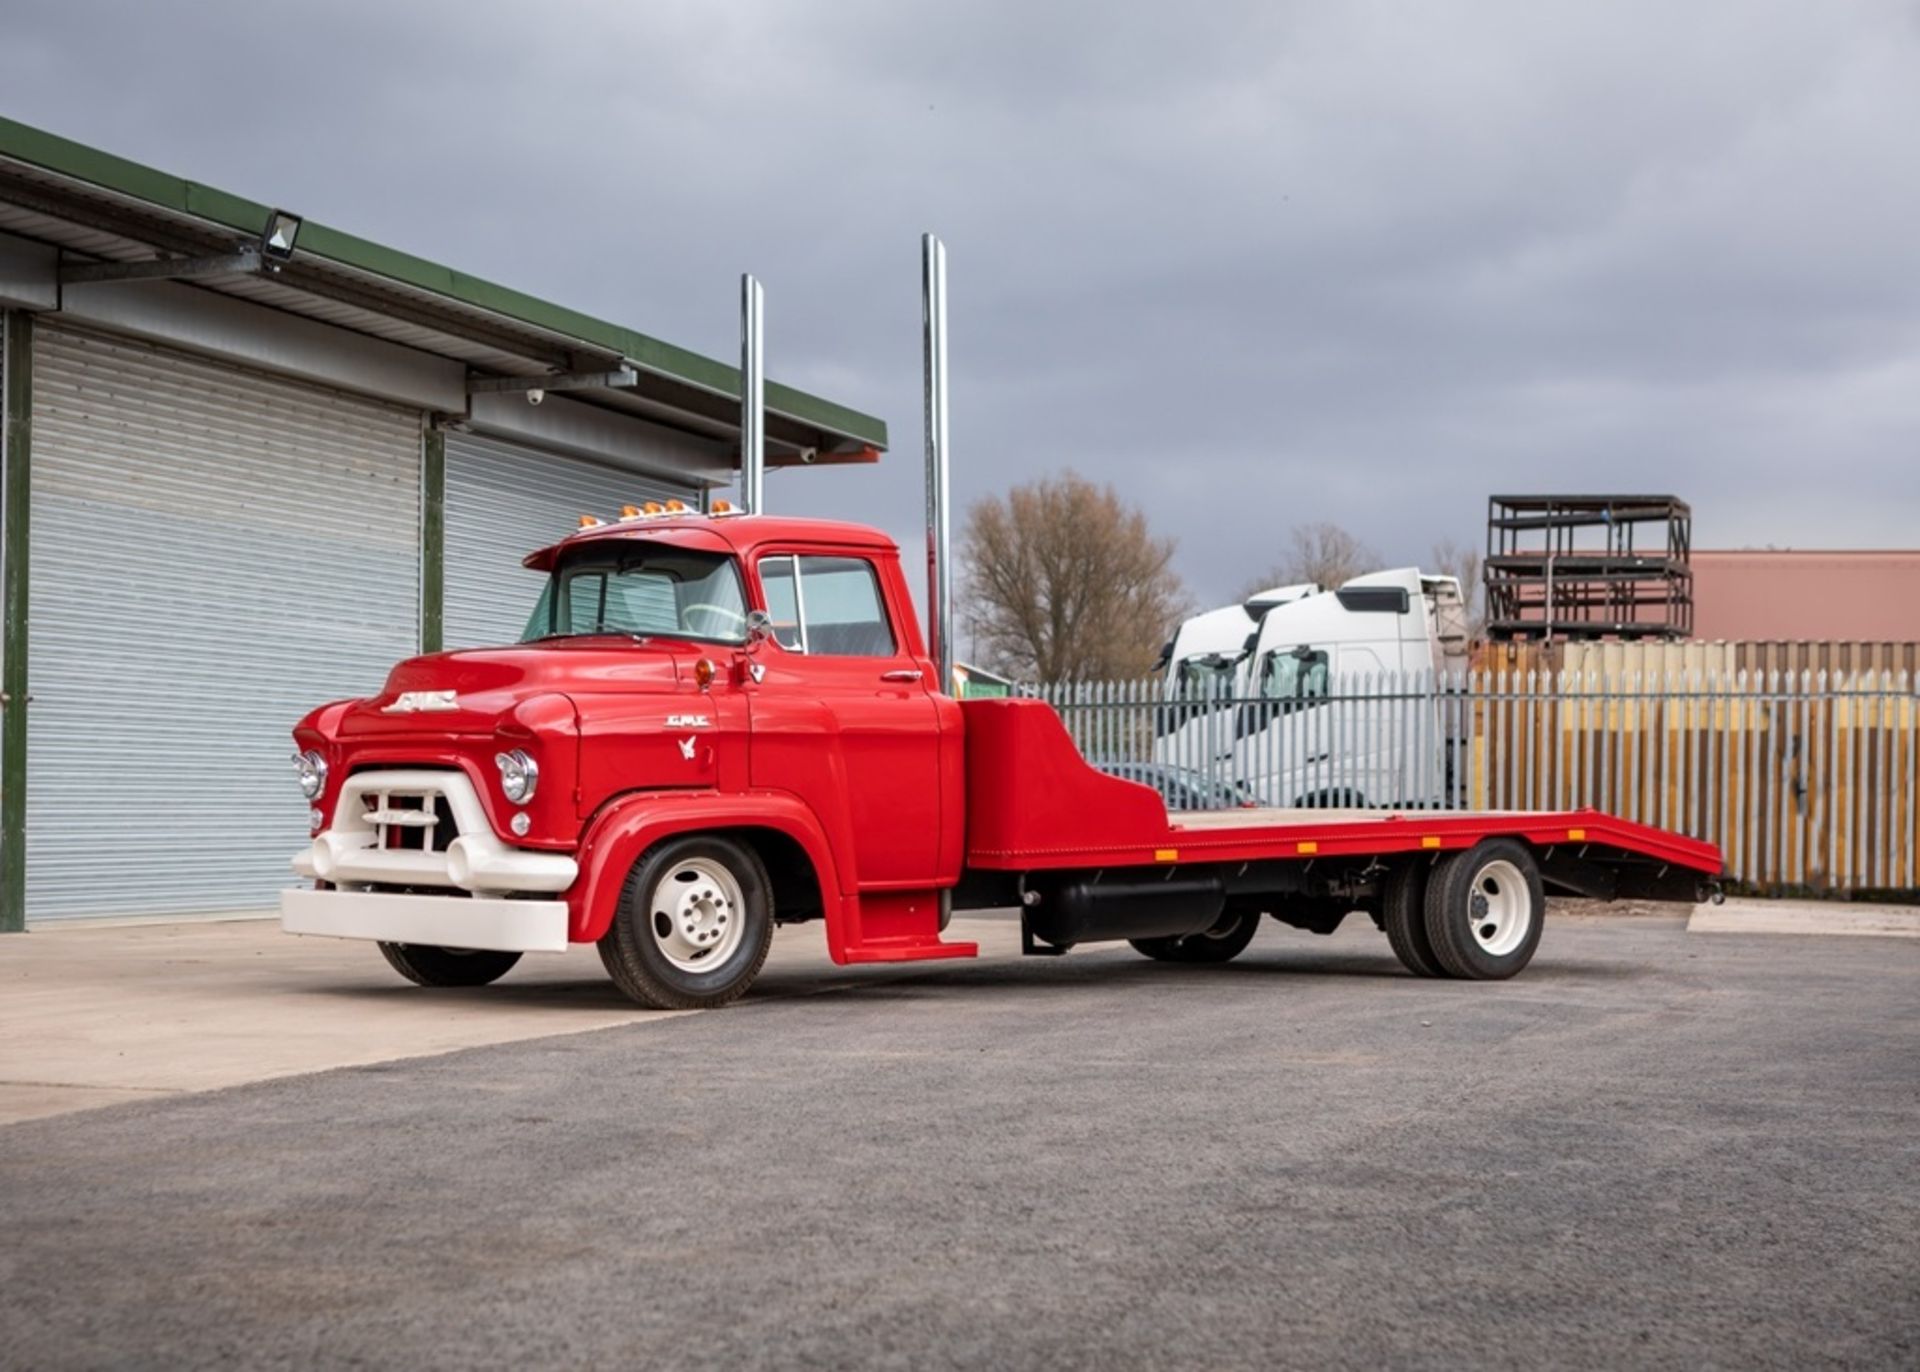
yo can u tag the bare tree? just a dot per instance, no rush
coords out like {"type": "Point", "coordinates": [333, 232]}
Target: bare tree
{"type": "Point", "coordinates": [1451, 558]}
{"type": "Point", "coordinates": [1065, 582]}
{"type": "Point", "coordinates": [1321, 552]}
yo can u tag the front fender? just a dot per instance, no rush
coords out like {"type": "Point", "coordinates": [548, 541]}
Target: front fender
{"type": "Point", "coordinates": [627, 827]}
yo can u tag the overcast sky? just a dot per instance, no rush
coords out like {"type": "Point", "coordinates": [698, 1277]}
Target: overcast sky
{"type": "Point", "coordinates": [1254, 263]}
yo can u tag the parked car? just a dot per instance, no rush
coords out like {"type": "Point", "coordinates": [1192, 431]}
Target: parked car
{"type": "Point", "coordinates": [1181, 787]}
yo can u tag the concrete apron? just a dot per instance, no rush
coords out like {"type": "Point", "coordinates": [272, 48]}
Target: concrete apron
{"type": "Point", "coordinates": [1805, 917]}
{"type": "Point", "coordinates": [97, 1013]}
{"type": "Point", "coordinates": [94, 1014]}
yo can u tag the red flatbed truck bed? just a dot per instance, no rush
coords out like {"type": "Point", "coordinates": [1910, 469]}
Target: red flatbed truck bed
{"type": "Point", "coordinates": [1035, 805]}
{"type": "Point", "coordinates": [1090, 856]}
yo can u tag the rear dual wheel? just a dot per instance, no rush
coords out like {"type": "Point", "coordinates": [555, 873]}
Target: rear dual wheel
{"type": "Point", "coordinates": [1403, 914]}
{"type": "Point", "coordinates": [1474, 915]}
{"type": "Point", "coordinates": [1226, 939]}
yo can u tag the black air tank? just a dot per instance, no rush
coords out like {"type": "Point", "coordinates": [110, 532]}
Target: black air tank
{"type": "Point", "coordinates": [1093, 911]}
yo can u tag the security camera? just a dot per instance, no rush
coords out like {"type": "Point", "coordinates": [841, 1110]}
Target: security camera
{"type": "Point", "coordinates": [535, 396]}
{"type": "Point", "coordinates": [809, 456]}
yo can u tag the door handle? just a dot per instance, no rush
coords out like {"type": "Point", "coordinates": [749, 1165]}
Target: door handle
{"type": "Point", "coordinates": [901, 674]}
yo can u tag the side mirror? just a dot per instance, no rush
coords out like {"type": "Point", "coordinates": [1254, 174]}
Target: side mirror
{"type": "Point", "coordinates": [759, 627]}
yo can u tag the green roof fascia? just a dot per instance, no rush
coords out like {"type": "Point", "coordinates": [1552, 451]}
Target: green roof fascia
{"type": "Point", "coordinates": [67, 158]}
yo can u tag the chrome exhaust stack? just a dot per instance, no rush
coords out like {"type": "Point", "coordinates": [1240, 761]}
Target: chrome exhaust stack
{"type": "Point", "coordinates": [933, 320]}
{"type": "Point", "coordinates": [753, 397]}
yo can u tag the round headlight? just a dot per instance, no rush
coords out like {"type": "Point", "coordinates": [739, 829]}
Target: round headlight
{"type": "Point", "coordinates": [311, 768]}
{"type": "Point", "coordinates": [519, 775]}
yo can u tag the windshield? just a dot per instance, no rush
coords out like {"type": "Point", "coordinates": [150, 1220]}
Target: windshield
{"type": "Point", "coordinates": [1209, 676]}
{"type": "Point", "coordinates": [1293, 674]}
{"type": "Point", "coordinates": [642, 589]}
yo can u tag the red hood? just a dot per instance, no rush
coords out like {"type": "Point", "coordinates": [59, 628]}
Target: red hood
{"type": "Point", "coordinates": [488, 682]}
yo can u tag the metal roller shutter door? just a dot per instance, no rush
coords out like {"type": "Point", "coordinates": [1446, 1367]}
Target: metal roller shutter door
{"type": "Point", "coordinates": [504, 501]}
{"type": "Point", "coordinates": [215, 552]}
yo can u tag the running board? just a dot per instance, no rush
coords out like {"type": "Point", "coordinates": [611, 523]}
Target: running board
{"type": "Point", "coordinates": [899, 926]}
{"type": "Point", "coordinates": [909, 950]}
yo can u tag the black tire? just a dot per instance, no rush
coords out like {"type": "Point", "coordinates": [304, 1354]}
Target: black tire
{"type": "Point", "coordinates": [1225, 941]}
{"type": "Point", "coordinates": [423, 964]}
{"type": "Point", "coordinates": [1403, 914]}
{"type": "Point", "coordinates": [633, 951]}
{"type": "Point", "coordinates": [1331, 800]}
{"type": "Point", "coordinates": [1465, 895]}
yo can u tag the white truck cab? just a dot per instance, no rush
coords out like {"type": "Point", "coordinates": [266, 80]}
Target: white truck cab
{"type": "Point", "coordinates": [1209, 650]}
{"type": "Point", "coordinates": [1325, 699]}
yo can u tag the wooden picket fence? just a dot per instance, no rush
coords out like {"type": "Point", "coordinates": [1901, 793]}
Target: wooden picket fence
{"type": "Point", "coordinates": [1806, 780]}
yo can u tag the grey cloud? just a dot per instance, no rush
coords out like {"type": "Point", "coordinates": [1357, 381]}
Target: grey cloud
{"type": "Point", "coordinates": [1256, 263]}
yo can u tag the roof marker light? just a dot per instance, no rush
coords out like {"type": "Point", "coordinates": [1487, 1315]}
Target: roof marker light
{"type": "Point", "coordinates": [652, 507]}
{"type": "Point", "coordinates": [676, 507]}
{"type": "Point", "coordinates": [629, 512]}
{"type": "Point", "coordinates": [589, 522]}
{"type": "Point", "coordinates": [722, 507]}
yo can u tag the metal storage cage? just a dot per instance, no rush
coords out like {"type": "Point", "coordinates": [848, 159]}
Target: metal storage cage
{"type": "Point", "coordinates": [1588, 566]}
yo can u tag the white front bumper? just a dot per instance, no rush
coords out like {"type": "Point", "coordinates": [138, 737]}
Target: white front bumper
{"type": "Point", "coordinates": [513, 926]}
{"type": "Point", "coordinates": [354, 851]}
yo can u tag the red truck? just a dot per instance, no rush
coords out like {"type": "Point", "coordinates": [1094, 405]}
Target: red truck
{"type": "Point", "coordinates": [719, 723]}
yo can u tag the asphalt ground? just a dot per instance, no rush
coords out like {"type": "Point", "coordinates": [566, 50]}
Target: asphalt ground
{"type": "Point", "coordinates": [1651, 1149]}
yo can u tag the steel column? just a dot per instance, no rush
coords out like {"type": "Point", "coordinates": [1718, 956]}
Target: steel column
{"type": "Point", "coordinates": [433, 538]}
{"type": "Point", "coordinates": [16, 462]}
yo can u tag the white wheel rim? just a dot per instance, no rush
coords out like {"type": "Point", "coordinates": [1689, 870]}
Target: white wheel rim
{"type": "Point", "coordinates": [1499, 908]}
{"type": "Point", "coordinates": [697, 914]}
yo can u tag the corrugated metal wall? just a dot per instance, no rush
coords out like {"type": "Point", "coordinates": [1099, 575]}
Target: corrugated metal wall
{"type": "Point", "coordinates": [215, 551]}
{"type": "Point", "coordinates": [505, 500]}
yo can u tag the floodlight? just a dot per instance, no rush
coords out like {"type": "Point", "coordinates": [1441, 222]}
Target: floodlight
{"type": "Point", "coordinates": [276, 240]}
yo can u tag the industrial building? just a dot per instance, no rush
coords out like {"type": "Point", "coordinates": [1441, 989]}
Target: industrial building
{"type": "Point", "coordinates": [249, 462]}
{"type": "Point", "coordinates": [1857, 595]}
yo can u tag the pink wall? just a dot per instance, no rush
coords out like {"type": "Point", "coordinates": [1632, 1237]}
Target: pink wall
{"type": "Point", "coordinates": [1807, 595]}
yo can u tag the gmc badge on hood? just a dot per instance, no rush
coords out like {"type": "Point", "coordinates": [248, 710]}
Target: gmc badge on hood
{"type": "Point", "coordinates": [687, 722]}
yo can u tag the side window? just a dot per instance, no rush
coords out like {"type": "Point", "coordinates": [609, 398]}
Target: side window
{"type": "Point", "coordinates": [841, 606]}
{"type": "Point", "coordinates": [827, 606]}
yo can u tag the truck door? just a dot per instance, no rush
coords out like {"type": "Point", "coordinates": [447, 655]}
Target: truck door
{"type": "Point", "coordinates": [844, 717]}
{"type": "Point", "coordinates": [1281, 746]}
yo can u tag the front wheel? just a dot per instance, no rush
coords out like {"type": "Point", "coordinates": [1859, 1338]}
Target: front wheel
{"type": "Point", "coordinates": [694, 924]}
{"type": "Point", "coordinates": [1484, 910]}
{"type": "Point", "coordinates": [1223, 942]}
{"type": "Point", "coordinates": [425, 965]}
